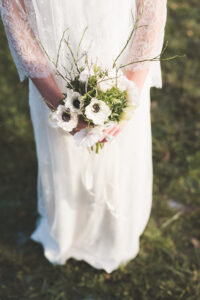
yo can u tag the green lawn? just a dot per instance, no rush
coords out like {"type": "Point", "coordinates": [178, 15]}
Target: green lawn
{"type": "Point", "coordinates": [168, 265]}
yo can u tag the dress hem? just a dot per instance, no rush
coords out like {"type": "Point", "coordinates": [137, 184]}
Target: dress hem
{"type": "Point", "coordinates": [76, 253]}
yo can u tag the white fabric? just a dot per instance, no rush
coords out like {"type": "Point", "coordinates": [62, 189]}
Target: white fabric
{"type": "Point", "coordinates": [20, 29]}
{"type": "Point", "coordinates": [76, 189]}
{"type": "Point", "coordinates": [109, 22]}
{"type": "Point", "coordinates": [148, 39]}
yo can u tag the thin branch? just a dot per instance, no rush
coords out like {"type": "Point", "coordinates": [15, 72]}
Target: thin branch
{"type": "Point", "coordinates": [79, 45]}
{"type": "Point", "coordinates": [67, 72]}
{"type": "Point", "coordinates": [135, 27]}
{"type": "Point", "coordinates": [110, 78]}
{"type": "Point", "coordinates": [172, 219]}
{"type": "Point", "coordinates": [59, 48]}
{"type": "Point", "coordinates": [72, 54]}
{"type": "Point", "coordinates": [60, 74]}
{"type": "Point", "coordinates": [156, 58]}
{"type": "Point", "coordinates": [45, 51]}
{"type": "Point", "coordinates": [49, 103]}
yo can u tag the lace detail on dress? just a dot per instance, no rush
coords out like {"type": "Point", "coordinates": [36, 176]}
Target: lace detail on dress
{"type": "Point", "coordinates": [29, 58]}
{"type": "Point", "coordinates": [147, 41]}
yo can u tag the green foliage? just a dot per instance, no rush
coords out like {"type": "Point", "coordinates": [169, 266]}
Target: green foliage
{"type": "Point", "coordinates": [113, 97]}
{"type": "Point", "coordinates": [92, 82]}
{"type": "Point", "coordinates": [116, 100]}
{"type": "Point", "coordinates": [77, 85]}
{"type": "Point", "coordinates": [168, 264]}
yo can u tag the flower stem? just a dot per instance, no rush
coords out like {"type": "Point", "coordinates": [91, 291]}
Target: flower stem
{"type": "Point", "coordinates": [97, 147]}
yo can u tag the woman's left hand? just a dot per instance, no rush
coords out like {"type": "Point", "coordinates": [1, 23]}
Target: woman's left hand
{"type": "Point", "coordinates": [114, 131]}
{"type": "Point", "coordinates": [139, 78]}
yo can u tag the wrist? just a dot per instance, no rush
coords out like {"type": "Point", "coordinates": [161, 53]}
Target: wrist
{"type": "Point", "coordinates": [49, 90]}
{"type": "Point", "coordinates": [58, 100]}
{"type": "Point", "coordinates": [138, 77]}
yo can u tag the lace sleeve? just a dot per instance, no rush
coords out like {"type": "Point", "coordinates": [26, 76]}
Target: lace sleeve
{"type": "Point", "coordinates": [147, 41]}
{"type": "Point", "coordinates": [26, 52]}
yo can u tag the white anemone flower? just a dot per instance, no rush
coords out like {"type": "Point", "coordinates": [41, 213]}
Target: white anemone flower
{"type": "Point", "coordinates": [63, 118]}
{"type": "Point", "coordinates": [97, 111]}
{"type": "Point", "coordinates": [73, 101]}
{"type": "Point", "coordinates": [88, 136]}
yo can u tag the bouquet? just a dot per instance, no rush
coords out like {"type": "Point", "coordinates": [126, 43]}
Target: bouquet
{"type": "Point", "coordinates": [101, 98]}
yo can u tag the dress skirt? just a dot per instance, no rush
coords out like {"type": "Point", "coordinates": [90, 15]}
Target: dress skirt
{"type": "Point", "coordinates": [92, 207]}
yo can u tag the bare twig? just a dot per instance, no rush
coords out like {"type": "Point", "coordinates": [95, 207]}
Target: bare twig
{"type": "Point", "coordinates": [174, 218]}
{"type": "Point", "coordinates": [58, 54]}
{"type": "Point", "coordinates": [72, 54]}
{"type": "Point", "coordinates": [79, 45]}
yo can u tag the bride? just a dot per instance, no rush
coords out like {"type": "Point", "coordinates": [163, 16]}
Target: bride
{"type": "Point", "coordinates": [91, 207]}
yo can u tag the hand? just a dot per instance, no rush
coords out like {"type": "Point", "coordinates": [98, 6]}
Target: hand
{"type": "Point", "coordinates": [81, 124]}
{"type": "Point", "coordinates": [114, 131]}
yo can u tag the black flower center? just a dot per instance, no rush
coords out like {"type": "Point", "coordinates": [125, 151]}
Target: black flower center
{"type": "Point", "coordinates": [76, 103]}
{"type": "Point", "coordinates": [66, 117]}
{"type": "Point", "coordinates": [96, 107]}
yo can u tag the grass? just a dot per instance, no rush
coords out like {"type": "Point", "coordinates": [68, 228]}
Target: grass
{"type": "Point", "coordinates": [168, 265]}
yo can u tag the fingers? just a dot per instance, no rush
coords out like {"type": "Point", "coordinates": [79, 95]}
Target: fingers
{"type": "Point", "coordinates": [106, 132]}
{"type": "Point", "coordinates": [117, 132]}
{"type": "Point", "coordinates": [110, 131]}
{"type": "Point", "coordinates": [103, 141]}
{"type": "Point", "coordinates": [104, 135]}
{"type": "Point", "coordinates": [114, 131]}
{"type": "Point", "coordinates": [81, 124]}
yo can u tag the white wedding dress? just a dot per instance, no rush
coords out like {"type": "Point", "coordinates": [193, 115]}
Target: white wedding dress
{"type": "Point", "coordinates": [92, 207]}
